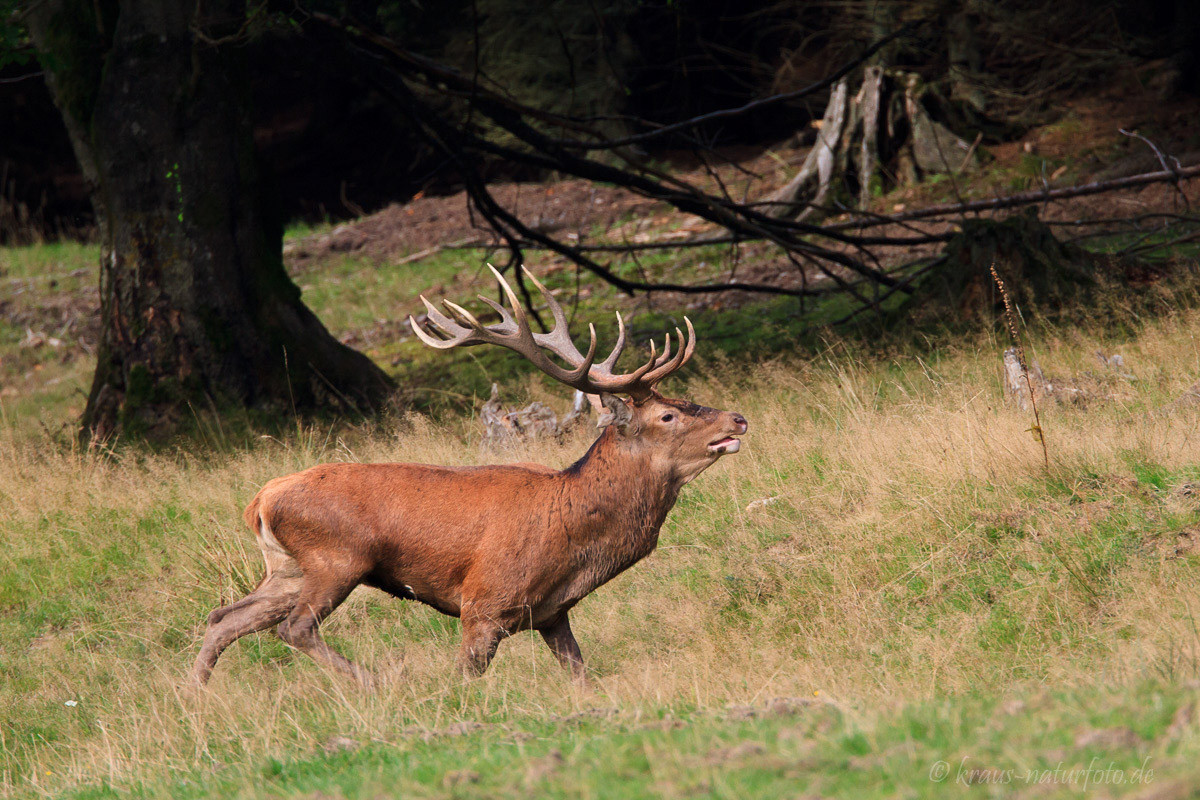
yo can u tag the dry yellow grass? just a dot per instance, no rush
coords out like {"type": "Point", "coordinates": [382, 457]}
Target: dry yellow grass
{"type": "Point", "coordinates": [915, 549]}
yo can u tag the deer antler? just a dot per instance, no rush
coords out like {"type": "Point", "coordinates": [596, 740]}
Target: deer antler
{"type": "Point", "coordinates": [513, 332]}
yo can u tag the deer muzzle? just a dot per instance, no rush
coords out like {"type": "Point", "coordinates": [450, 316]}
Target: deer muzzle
{"type": "Point", "coordinates": [728, 444]}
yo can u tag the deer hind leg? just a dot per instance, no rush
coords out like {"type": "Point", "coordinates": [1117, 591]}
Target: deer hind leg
{"type": "Point", "coordinates": [322, 593]}
{"type": "Point", "coordinates": [263, 608]}
{"type": "Point", "coordinates": [221, 613]}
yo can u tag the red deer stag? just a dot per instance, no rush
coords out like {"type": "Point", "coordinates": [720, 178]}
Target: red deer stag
{"type": "Point", "coordinates": [505, 548]}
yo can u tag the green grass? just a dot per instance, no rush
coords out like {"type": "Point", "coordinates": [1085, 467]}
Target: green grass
{"type": "Point", "coordinates": [805, 745]}
{"type": "Point", "coordinates": [355, 292]}
{"type": "Point", "coordinates": [71, 264]}
{"type": "Point", "coordinates": [42, 387]}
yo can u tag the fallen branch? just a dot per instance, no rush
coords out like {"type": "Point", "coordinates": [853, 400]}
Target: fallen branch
{"type": "Point", "coordinates": [1022, 199]}
{"type": "Point", "coordinates": [420, 254]}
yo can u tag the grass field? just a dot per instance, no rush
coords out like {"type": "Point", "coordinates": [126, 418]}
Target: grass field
{"type": "Point", "coordinates": [919, 607]}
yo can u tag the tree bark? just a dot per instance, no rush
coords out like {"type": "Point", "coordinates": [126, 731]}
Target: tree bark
{"type": "Point", "coordinates": [196, 307]}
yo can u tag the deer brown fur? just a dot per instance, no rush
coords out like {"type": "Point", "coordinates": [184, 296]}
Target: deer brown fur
{"type": "Point", "coordinates": [505, 548]}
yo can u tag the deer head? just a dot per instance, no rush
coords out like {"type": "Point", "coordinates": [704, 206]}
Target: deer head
{"type": "Point", "coordinates": [676, 436]}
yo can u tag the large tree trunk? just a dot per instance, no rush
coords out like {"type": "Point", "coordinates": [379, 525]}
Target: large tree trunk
{"type": "Point", "coordinates": [196, 306]}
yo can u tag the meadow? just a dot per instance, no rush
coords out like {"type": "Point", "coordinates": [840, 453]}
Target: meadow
{"type": "Point", "coordinates": [885, 594]}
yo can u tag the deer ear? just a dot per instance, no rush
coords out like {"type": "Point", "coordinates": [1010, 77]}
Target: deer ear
{"type": "Point", "coordinates": [616, 412]}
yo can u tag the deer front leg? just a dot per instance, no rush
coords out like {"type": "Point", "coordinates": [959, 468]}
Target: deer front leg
{"type": "Point", "coordinates": [561, 641]}
{"type": "Point", "coordinates": [481, 637]}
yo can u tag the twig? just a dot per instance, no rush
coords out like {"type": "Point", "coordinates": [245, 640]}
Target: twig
{"type": "Point", "coordinates": [1162, 159]}
{"type": "Point", "coordinates": [1023, 199]}
{"type": "Point", "coordinates": [1174, 166]}
{"type": "Point", "coordinates": [970, 151]}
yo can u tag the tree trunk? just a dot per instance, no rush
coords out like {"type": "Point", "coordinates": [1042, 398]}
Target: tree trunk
{"type": "Point", "coordinates": [196, 307]}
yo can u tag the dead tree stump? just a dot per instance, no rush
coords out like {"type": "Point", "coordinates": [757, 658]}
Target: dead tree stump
{"type": "Point", "coordinates": [534, 421]}
{"type": "Point", "coordinates": [1022, 385]}
{"type": "Point", "coordinates": [1027, 384]}
{"type": "Point", "coordinates": [1043, 274]}
{"type": "Point", "coordinates": [883, 135]}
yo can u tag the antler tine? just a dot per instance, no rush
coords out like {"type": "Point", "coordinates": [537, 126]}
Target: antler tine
{"type": "Point", "coordinates": [449, 326]}
{"type": "Point", "coordinates": [666, 353]}
{"type": "Point", "coordinates": [686, 348]}
{"type": "Point", "coordinates": [560, 318]}
{"type": "Point", "coordinates": [440, 344]}
{"type": "Point", "coordinates": [507, 324]}
{"type": "Point", "coordinates": [558, 339]}
{"type": "Point", "coordinates": [649, 365]}
{"type": "Point", "coordinates": [517, 310]}
{"type": "Point", "coordinates": [610, 363]}
{"type": "Point", "coordinates": [463, 316]}
{"type": "Point", "coordinates": [581, 371]}
{"type": "Point", "coordinates": [691, 341]}
{"type": "Point", "coordinates": [458, 334]}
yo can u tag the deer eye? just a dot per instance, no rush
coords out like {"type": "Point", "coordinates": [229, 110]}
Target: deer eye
{"type": "Point", "coordinates": [668, 417]}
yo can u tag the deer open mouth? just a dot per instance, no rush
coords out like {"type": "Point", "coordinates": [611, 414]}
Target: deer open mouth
{"type": "Point", "coordinates": [726, 445]}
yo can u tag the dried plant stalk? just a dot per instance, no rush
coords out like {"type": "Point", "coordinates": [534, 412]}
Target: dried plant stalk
{"type": "Point", "coordinates": [1010, 319]}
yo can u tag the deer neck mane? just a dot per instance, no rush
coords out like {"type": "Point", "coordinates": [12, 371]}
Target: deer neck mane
{"type": "Point", "coordinates": [617, 491]}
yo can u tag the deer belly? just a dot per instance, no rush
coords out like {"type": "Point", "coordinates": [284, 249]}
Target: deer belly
{"type": "Point", "coordinates": [414, 589]}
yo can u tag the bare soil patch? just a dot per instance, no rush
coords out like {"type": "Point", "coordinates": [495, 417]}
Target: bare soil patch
{"type": "Point", "coordinates": [66, 320]}
{"type": "Point", "coordinates": [565, 208]}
